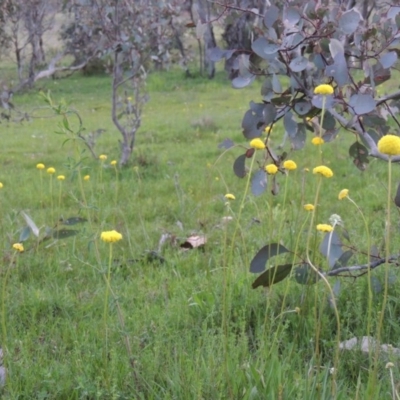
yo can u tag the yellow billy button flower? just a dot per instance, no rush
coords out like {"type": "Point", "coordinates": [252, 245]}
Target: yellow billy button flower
{"type": "Point", "coordinates": [86, 177]}
{"type": "Point", "coordinates": [271, 169]}
{"type": "Point", "coordinates": [61, 177]}
{"type": "Point", "coordinates": [290, 165]}
{"type": "Point", "coordinates": [110, 236]}
{"type": "Point", "coordinates": [257, 144]}
{"type": "Point", "coordinates": [324, 171]}
{"type": "Point", "coordinates": [317, 141]}
{"type": "Point", "coordinates": [324, 89]}
{"type": "Point", "coordinates": [40, 166]}
{"type": "Point", "coordinates": [230, 196]}
{"type": "Point", "coordinates": [51, 170]}
{"type": "Point", "coordinates": [343, 194]}
{"type": "Point", "coordinates": [389, 145]}
{"type": "Point", "coordinates": [1, 185]}
{"type": "Point", "coordinates": [18, 246]}
{"type": "Point", "coordinates": [324, 228]}
{"type": "Point", "coordinates": [113, 162]}
{"type": "Point", "coordinates": [309, 207]}
{"type": "Point", "coordinates": [103, 157]}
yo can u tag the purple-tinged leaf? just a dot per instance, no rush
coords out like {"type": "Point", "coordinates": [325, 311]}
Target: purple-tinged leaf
{"type": "Point", "coordinates": [397, 197]}
{"type": "Point", "coordinates": [362, 103]}
{"type": "Point", "coordinates": [272, 275]}
{"type": "Point", "coordinates": [259, 261]}
{"type": "Point", "coordinates": [330, 135]}
{"type": "Point", "coordinates": [388, 59]}
{"type": "Point", "coordinates": [265, 49]}
{"type": "Point", "coordinates": [241, 82]}
{"type": "Point", "coordinates": [226, 144]}
{"type": "Point", "coordinates": [271, 15]}
{"type": "Point", "coordinates": [349, 21]}
{"type": "Point", "coordinates": [302, 107]}
{"type": "Point", "coordinates": [298, 140]}
{"type": "Point", "coordinates": [331, 246]}
{"type": "Point", "coordinates": [239, 166]}
{"type": "Point", "coordinates": [298, 64]}
{"type": "Point", "coordinates": [216, 54]}
{"type": "Point", "coordinates": [259, 183]}
{"type": "Point", "coordinates": [318, 101]}
{"type": "Point", "coordinates": [269, 114]}
{"type": "Point", "coordinates": [291, 16]}
{"type": "Point", "coordinates": [305, 275]}
{"type": "Point", "coordinates": [290, 124]}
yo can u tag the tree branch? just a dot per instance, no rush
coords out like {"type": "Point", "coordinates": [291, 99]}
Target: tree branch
{"type": "Point", "coordinates": [372, 265]}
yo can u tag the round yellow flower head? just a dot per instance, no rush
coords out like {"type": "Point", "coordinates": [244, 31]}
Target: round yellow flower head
{"type": "Point", "coordinates": [103, 157]}
{"type": "Point", "coordinates": [324, 171]}
{"type": "Point", "coordinates": [268, 129]}
{"type": "Point", "coordinates": [40, 166]}
{"type": "Point", "coordinates": [1, 185]}
{"type": "Point", "coordinates": [309, 207]}
{"type": "Point", "coordinates": [113, 162]}
{"type": "Point", "coordinates": [271, 169]}
{"type": "Point", "coordinates": [317, 140]}
{"type": "Point", "coordinates": [324, 228]}
{"type": "Point", "coordinates": [343, 194]}
{"type": "Point", "coordinates": [290, 165]}
{"type": "Point", "coordinates": [257, 144]}
{"type": "Point", "coordinates": [230, 196]}
{"type": "Point", "coordinates": [19, 247]}
{"type": "Point", "coordinates": [51, 170]}
{"type": "Point", "coordinates": [60, 177]}
{"type": "Point", "coordinates": [110, 236]}
{"type": "Point", "coordinates": [389, 145]}
{"type": "Point", "coordinates": [324, 89]}
{"type": "Point", "coordinates": [86, 177]}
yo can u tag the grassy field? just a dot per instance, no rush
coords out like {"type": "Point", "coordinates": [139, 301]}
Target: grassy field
{"type": "Point", "coordinates": [79, 322]}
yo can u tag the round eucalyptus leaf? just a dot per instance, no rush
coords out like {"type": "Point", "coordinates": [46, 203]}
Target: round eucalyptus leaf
{"type": "Point", "coordinates": [239, 166]}
{"type": "Point", "coordinates": [271, 15]}
{"type": "Point", "coordinates": [259, 183]}
{"type": "Point", "coordinates": [349, 21]}
{"type": "Point", "coordinates": [241, 82]}
{"type": "Point", "coordinates": [362, 103]}
{"type": "Point", "coordinates": [302, 107]}
{"type": "Point", "coordinates": [298, 64]}
{"type": "Point", "coordinates": [388, 59]}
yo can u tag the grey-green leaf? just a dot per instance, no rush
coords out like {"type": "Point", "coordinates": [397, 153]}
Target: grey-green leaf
{"type": "Point", "coordinates": [259, 183]}
{"type": "Point", "coordinates": [31, 224]}
{"type": "Point", "coordinates": [273, 275]}
{"type": "Point", "coordinates": [331, 246]}
{"type": "Point", "coordinates": [259, 261]}
{"type": "Point", "coordinates": [73, 221]}
{"type": "Point", "coordinates": [25, 233]}
{"type": "Point", "coordinates": [239, 167]}
{"type": "Point", "coordinates": [362, 103]}
{"type": "Point", "coordinates": [349, 21]}
{"type": "Point", "coordinates": [298, 64]}
{"type": "Point", "coordinates": [63, 233]}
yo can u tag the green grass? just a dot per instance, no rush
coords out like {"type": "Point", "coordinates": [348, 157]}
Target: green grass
{"type": "Point", "coordinates": [197, 330]}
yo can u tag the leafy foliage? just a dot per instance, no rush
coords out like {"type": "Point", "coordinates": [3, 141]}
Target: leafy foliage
{"type": "Point", "coordinates": [302, 45]}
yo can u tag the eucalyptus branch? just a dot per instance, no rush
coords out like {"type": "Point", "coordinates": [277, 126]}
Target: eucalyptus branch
{"type": "Point", "coordinates": [362, 267]}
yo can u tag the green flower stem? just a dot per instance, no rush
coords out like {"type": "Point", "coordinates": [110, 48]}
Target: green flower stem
{"type": "Point", "coordinates": [326, 282]}
{"type": "Point", "coordinates": [41, 188]}
{"type": "Point", "coordinates": [51, 197]}
{"type": "Point", "coordinates": [105, 314]}
{"type": "Point", "coordinates": [59, 195]}
{"type": "Point", "coordinates": [387, 255]}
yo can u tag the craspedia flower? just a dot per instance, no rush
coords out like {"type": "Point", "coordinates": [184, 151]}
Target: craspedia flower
{"type": "Point", "coordinates": [1, 185]}
{"type": "Point", "coordinates": [324, 228]}
{"type": "Point", "coordinates": [257, 144]}
{"type": "Point", "coordinates": [389, 145]}
{"type": "Point", "coordinates": [290, 165]}
{"type": "Point", "coordinates": [86, 177]}
{"type": "Point", "coordinates": [317, 141]}
{"type": "Point", "coordinates": [19, 247]}
{"type": "Point", "coordinates": [61, 177]}
{"type": "Point", "coordinates": [103, 157]}
{"type": "Point", "coordinates": [324, 171]}
{"type": "Point", "coordinates": [309, 207]}
{"type": "Point", "coordinates": [51, 170]}
{"type": "Point", "coordinates": [113, 162]}
{"type": "Point", "coordinates": [230, 196]}
{"type": "Point", "coordinates": [110, 236]}
{"type": "Point", "coordinates": [271, 169]}
{"type": "Point", "coordinates": [40, 166]}
{"type": "Point", "coordinates": [343, 194]}
{"type": "Point", "coordinates": [268, 129]}
{"type": "Point", "coordinates": [324, 89]}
